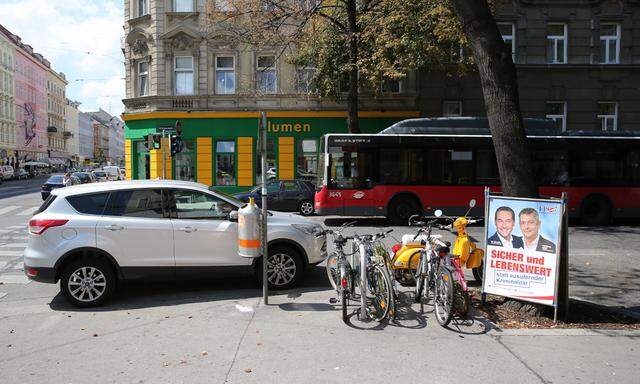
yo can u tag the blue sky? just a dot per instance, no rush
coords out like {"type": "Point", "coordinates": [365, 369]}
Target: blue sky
{"type": "Point", "coordinates": [80, 38]}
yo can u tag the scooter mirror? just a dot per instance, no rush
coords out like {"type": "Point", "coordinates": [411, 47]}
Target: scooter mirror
{"type": "Point", "coordinates": [472, 203]}
{"type": "Point", "coordinates": [437, 213]}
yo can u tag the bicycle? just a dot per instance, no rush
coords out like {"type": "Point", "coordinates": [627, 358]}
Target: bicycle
{"type": "Point", "coordinates": [429, 256]}
{"type": "Point", "coordinates": [339, 271]}
{"type": "Point", "coordinates": [377, 295]}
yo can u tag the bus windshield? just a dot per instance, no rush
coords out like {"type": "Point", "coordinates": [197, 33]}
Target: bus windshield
{"type": "Point", "coordinates": [351, 167]}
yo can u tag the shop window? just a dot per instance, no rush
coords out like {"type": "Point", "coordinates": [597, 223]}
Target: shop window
{"type": "Point", "coordinates": [185, 162]}
{"type": "Point", "coordinates": [225, 163]}
{"type": "Point", "coordinates": [307, 159]}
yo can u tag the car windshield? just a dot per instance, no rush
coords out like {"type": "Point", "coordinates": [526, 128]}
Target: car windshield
{"type": "Point", "coordinates": [100, 174]}
{"type": "Point", "coordinates": [56, 179]}
{"type": "Point", "coordinates": [271, 187]}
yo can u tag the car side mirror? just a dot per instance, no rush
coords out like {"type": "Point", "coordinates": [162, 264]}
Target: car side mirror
{"type": "Point", "coordinates": [232, 216]}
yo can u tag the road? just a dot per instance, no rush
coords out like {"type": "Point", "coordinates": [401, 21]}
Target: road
{"type": "Point", "coordinates": [219, 331]}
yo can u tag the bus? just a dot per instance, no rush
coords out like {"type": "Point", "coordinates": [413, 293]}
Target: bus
{"type": "Point", "coordinates": [420, 165]}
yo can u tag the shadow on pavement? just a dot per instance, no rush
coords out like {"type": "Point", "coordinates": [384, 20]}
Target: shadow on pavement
{"type": "Point", "coordinates": [140, 294]}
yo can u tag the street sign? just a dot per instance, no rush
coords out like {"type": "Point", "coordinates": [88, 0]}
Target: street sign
{"type": "Point", "coordinates": [167, 130]}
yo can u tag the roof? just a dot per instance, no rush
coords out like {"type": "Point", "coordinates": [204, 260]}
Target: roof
{"type": "Point", "coordinates": [479, 126]}
{"type": "Point", "coordinates": [128, 184]}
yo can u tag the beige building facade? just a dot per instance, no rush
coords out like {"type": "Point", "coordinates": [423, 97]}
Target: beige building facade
{"type": "Point", "coordinates": [56, 120]}
{"type": "Point", "coordinates": [7, 110]}
{"type": "Point", "coordinates": [72, 116]}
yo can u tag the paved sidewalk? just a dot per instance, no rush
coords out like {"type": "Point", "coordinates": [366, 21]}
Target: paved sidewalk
{"type": "Point", "coordinates": [218, 335]}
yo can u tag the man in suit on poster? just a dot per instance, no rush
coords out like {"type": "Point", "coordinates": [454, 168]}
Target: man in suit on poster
{"type": "Point", "coordinates": [530, 227]}
{"type": "Point", "coordinates": [505, 220]}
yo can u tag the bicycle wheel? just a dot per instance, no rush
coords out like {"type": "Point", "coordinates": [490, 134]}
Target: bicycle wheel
{"type": "Point", "coordinates": [343, 298]}
{"type": "Point", "coordinates": [461, 300]}
{"type": "Point", "coordinates": [332, 270]}
{"type": "Point", "coordinates": [380, 291]}
{"type": "Point", "coordinates": [443, 297]}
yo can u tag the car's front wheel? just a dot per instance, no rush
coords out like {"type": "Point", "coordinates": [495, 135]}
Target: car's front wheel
{"type": "Point", "coordinates": [306, 208]}
{"type": "Point", "coordinates": [87, 282]}
{"type": "Point", "coordinates": [284, 267]}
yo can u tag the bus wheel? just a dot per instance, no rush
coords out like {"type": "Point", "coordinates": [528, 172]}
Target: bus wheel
{"type": "Point", "coordinates": [595, 210]}
{"type": "Point", "coordinates": [400, 209]}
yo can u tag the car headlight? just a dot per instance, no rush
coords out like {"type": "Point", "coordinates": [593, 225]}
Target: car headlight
{"type": "Point", "coordinates": [309, 229]}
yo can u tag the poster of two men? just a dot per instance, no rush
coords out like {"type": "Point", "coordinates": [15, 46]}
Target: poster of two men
{"type": "Point", "coordinates": [528, 226]}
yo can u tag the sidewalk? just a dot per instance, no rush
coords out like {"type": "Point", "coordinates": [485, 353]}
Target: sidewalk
{"type": "Point", "coordinates": [226, 335]}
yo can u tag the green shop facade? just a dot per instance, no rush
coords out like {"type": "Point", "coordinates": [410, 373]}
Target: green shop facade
{"type": "Point", "coordinates": [220, 147]}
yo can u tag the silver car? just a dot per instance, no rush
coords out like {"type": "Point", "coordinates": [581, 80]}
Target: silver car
{"type": "Point", "coordinates": [90, 236]}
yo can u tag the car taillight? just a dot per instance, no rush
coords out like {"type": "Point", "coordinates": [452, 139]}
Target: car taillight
{"type": "Point", "coordinates": [38, 226]}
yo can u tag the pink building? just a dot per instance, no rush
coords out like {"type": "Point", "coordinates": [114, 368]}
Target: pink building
{"type": "Point", "coordinates": [30, 103]}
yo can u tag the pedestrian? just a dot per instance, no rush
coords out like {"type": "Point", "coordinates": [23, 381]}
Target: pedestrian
{"type": "Point", "coordinates": [66, 180]}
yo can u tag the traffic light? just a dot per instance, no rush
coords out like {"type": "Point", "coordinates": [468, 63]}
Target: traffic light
{"type": "Point", "coordinates": [176, 144]}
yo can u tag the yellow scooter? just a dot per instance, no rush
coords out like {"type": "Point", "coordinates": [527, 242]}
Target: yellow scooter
{"type": "Point", "coordinates": [470, 255]}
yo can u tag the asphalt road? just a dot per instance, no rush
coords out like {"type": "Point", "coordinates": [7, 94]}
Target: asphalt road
{"type": "Point", "coordinates": [219, 331]}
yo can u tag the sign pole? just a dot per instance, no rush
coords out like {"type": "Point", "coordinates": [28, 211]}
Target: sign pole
{"type": "Point", "coordinates": [487, 194]}
{"type": "Point", "coordinates": [263, 165]}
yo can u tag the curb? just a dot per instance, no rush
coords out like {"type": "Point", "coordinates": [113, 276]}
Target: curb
{"type": "Point", "coordinates": [528, 332]}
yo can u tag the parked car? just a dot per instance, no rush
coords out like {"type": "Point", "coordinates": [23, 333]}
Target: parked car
{"type": "Point", "coordinates": [100, 175]}
{"type": "Point", "coordinates": [54, 182]}
{"type": "Point", "coordinates": [7, 172]}
{"type": "Point", "coordinates": [22, 174]}
{"type": "Point", "coordinates": [112, 171]}
{"type": "Point", "coordinates": [292, 196]}
{"type": "Point", "coordinates": [154, 228]}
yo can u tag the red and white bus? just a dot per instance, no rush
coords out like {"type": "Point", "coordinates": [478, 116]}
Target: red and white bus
{"type": "Point", "coordinates": [420, 165]}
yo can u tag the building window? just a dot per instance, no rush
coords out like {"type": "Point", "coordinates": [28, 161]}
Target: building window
{"type": "Point", "coordinates": [266, 74]}
{"type": "Point", "coordinates": [557, 43]}
{"type": "Point", "coordinates": [508, 32]}
{"type": "Point", "coordinates": [142, 7]}
{"type": "Point", "coordinates": [184, 75]}
{"type": "Point", "coordinates": [557, 111]}
{"type": "Point", "coordinates": [183, 5]}
{"type": "Point", "coordinates": [225, 163]}
{"type": "Point", "coordinates": [143, 79]}
{"type": "Point", "coordinates": [391, 85]}
{"type": "Point", "coordinates": [304, 77]}
{"type": "Point", "coordinates": [451, 108]}
{"type": "Point", "coordinates": [610, 43]}
{"type": "Point", "coordinates": [307, 159]}
{"type": "Point", "coordinates": [608, 116]}
{"type": "Point", "coordinates": [225, 75]}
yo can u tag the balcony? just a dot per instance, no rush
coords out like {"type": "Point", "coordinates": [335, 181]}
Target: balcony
{"type": "Point", "coordinates": [246, 102]}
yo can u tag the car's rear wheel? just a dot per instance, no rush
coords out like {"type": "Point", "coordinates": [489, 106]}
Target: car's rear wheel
{"type": "Point", "coordinates": [87, 282]}
{"type": "Point", "coordinates": [306, 208]}
{"type": "Point", "coordinates": [284, 267]}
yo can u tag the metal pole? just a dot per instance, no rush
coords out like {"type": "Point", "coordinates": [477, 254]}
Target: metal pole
{"type": "Point", "coordinates": [363, 282]}
{"type": "Point", "coordinates": [164, 158]}
{"type": "Point", "coordinates": [263, 165]}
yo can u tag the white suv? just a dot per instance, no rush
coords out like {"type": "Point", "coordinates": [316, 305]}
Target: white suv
{"type": "Point", "coordinates": [90, 236]}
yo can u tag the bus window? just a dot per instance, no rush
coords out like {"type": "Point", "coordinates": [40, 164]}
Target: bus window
{"type": "Point", "coordinates": [633, 168]}
{"type": "Point", "coordinates": [351, 169]}
{"type": "Point", "coordinates": [486, 167]}
{"type": "Point", "coordinates": [551, 167]}
{"type": "Point", "coordinates": [605, 168]}
{"type": "Point", "coordinates": [401, 166]}
{"type": "Point", "coordinates": [450, 167]}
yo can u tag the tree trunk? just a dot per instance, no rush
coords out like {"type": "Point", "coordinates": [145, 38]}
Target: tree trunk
{"type": "Point", "coordinates": [500, 88]}
{"type": "Point", "coordinates": [352, 98]}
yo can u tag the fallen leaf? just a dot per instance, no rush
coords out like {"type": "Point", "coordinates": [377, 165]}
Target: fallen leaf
{"type": "Point", "coordinates": [190, 317]}
{"type": "Point", "coordinates": [259, 344]}
{"type": "Point", "coordinates": [9, 346]}
{"type": "Point", "coordinates": [204, 353]}
{"type": "Point", "coordinates": [95, 335]}
{"type": "Point", "coordinates": [247, 370]}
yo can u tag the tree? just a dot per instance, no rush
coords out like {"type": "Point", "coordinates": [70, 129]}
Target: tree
{"type": "Point", "coordinates": [500, 88]}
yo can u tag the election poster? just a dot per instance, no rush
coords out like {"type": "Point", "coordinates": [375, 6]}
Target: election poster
{"type": "Point", "coordinates": [523, 247]}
